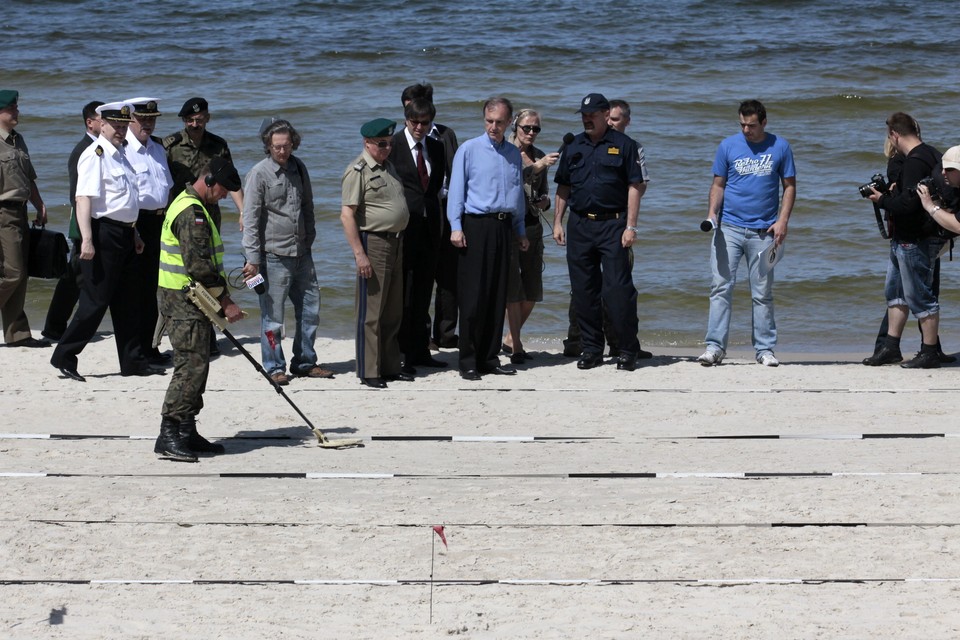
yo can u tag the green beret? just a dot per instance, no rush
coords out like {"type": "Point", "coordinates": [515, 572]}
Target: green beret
{"type": "Point", "coordinates": [378, 128]}
{"type": "Point", "coordinates": [8, 97]}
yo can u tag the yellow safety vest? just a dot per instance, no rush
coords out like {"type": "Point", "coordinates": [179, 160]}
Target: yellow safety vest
{"type": "Point", "coordinates": [172, 273]}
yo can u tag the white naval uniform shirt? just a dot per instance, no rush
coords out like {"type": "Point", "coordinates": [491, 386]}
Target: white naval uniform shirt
{"type": "Point", "coordinates": [110, 182]}
{"type": "Point", "coordinates": [149, 162]}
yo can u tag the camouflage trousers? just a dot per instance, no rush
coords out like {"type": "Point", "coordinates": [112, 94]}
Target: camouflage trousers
{"type": "Point", "coordinates": [191, 364]}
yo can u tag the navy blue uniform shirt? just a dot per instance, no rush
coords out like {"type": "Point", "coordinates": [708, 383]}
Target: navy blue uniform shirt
{"type": "Point", "coordinates": [599, 174]}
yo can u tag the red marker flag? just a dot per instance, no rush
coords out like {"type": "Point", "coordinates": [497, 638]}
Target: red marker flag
{"type": "Point", "coordinates": [438, 529]}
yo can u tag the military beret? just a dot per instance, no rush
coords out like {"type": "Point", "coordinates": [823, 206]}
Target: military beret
{"type": "Point", "coordinates": [8, 97]}
{"type": "Point", "coordinates": [378, 128]}
{"type": "Point", "coordinates": [146, 107]}
{"type": "Point", "coordinates": [224, 173]}
{"type": "Point", "coordinates": [116, 111]}
{"type": "Point", "coordinates": [192, 107]}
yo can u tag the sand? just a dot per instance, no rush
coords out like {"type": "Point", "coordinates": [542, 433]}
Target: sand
{"type": "Point", "coordinates": [597, 503]}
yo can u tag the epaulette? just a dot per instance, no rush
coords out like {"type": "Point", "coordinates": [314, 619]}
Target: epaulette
{"type": "Point", "coordinates": [156, 139]}
{"type": "Point", "coordinates": [358, 166]}
{"type": "Point", "coordinates": [99, 150]}
{"type": "Point", "coordinates": [172, 139]}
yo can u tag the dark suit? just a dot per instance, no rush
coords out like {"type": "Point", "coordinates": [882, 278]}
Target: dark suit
{"type": "Point", "coordinates": [421, 242]}
{"type": "Point", "coordinates": [445, 311]}
{"type": "Point", "coordinates": [68, 286]}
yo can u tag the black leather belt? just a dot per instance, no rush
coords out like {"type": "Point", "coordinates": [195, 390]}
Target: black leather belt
{"type": "Point", "coordinates": [386, 234]}
{"type": "Point", "coordinates": [153, 212]}
{"type": "Point", "coordinates": [602, 216]}
{"type": "Point", "coordinates": [115, 223]}
{"type": "Point", "coordinates": [496, 215]}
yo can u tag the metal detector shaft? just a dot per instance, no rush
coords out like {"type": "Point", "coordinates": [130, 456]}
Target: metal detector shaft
{"type": "Point", "coordinates": [210, 306]}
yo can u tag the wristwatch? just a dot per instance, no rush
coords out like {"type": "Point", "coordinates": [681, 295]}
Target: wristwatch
{"type": "Point", "coordinates": [634, 229]}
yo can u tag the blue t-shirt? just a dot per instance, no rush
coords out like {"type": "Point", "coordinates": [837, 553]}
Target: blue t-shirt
{"type": "Point", "coordinates": [753, 171]}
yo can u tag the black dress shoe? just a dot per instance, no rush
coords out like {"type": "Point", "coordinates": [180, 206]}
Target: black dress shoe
{"type": "Point", "coordinates": [644, 355]}
{"type": "Point", "coordinates": [374, 383]}
{"type": "Point", "coordinates": [31, 343]}
{"type": "Point", "coordinates": [449, 343]}
{"type": "Point", "coordinates": [144, 370]}
{"type": "Point", "coordinates": [589, 361]}
{"type": "Point", "coordinates": [72, 374]}
{"type": "Point", "coordinates": [427, 361]}
{"type": "Point", "coordinates": [399, 377]}
{"type": "Point", "coordinates": [626, 362]}
{"type": "Point", "coordinates": [158, 358]}
{"type": "Point", "coordinates": [503, 370]}
{"type": "Point", "coordinates": [408, 369]}
{"type": "Point", "coordinates": [470, 374]}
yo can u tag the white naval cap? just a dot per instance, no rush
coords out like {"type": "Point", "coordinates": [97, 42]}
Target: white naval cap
{"type": "Point", "coordinates": [117, 111]}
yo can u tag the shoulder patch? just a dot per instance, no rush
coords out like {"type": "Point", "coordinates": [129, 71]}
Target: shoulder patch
{"type": "Point", "coordinates": [98, 150]}
{"type": "Point", "coordinates": [172, 139]}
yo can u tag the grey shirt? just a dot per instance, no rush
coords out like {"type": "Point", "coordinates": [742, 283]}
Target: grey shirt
{"type": "Point", "coordinates": [278, 215]}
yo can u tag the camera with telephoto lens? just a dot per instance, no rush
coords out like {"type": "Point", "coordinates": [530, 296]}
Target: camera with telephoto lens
{"type": "Point", "coordinates": [877, 182]}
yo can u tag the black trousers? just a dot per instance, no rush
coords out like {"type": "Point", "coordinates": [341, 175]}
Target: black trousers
{"type": "Point", "coordinates": [65, 296]}
{"type": "Point", "coordinates": [109, 281]}
{"type": "Point", "coordinates": [149, 224]}
{"type": "Point", "coordinates": [482, 290]}
{"type": "Point", "coordinates": [600, 274]}
{"type": "Point", "coordinates": [445, 307]}
{"type": "Point", "coordinates": [421, 241]}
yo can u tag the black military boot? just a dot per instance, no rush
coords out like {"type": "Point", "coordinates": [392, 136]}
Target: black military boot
{"type": "Point", "coordinates": [196, 442]}
{"type": "Point", "coordinates": [170, 445]}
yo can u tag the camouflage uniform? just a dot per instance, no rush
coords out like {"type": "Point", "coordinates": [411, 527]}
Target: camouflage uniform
{"type": "Point", "coordinates": [186, 160]}
{"type": "Point", "coordinates": [187, 327]}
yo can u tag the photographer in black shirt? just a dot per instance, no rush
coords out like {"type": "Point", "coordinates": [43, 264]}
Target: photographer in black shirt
{"type": "Point", "coordinates": [942, 199]}
{"type": "Point", "coordinates": [915, 244]}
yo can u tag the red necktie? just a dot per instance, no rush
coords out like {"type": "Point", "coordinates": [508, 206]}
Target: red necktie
{"type": "Point", "coordinates": [422, 167]}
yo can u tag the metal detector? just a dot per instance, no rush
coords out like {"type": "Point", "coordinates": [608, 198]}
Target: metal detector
{"type": "Point", "coordinates": [210, 306]}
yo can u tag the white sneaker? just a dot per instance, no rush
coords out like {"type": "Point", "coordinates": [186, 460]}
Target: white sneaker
{"type": "Point", "coordinates": [767, 359]}
{"type": "Point", "coordinates": [711, 358]}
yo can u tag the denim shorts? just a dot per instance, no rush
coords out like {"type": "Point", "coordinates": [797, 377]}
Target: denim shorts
{"type": "Point", "coordinates": [910, 276]}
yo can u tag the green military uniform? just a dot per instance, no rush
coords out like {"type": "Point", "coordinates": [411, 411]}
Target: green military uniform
{"type": "Point", "coordinates": [187, 159]}
{"type": "Point", "coordinates": [17, 177]}
{"type": "Point", "coordinates": [190, 249]}
{"type": "Point", "coordinates": [382, 215]}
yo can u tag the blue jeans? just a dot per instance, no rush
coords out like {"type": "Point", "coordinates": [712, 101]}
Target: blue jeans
{"type": "Point", "coordinates": [294, 278]}
{"type": "Point", "coordinates": [910, 276]}
{"type": "Point", "coordinates": [730, 244]}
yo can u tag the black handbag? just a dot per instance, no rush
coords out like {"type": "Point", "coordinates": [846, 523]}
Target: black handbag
{"type": "Point", "coordinates": [48, 253]}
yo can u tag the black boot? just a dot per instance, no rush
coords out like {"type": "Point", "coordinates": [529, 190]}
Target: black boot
{"type": "Point", "coordinates": [928, 358]}
{"type": "Point", "coordinates": [887, 353]}
{"type": "Point", "coordinates": [170, 445]}
{"type": "Point", "coordinates": [196, 442]}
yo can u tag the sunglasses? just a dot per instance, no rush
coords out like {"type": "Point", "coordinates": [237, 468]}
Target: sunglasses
{"type": "Point", "coordinates": [530, 128]}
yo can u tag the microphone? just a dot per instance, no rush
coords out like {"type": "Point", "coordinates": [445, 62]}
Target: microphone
{"type": "Point", "coordinates": [256, 283]}
{"type": "Point", "coordinates": [567, 139]}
